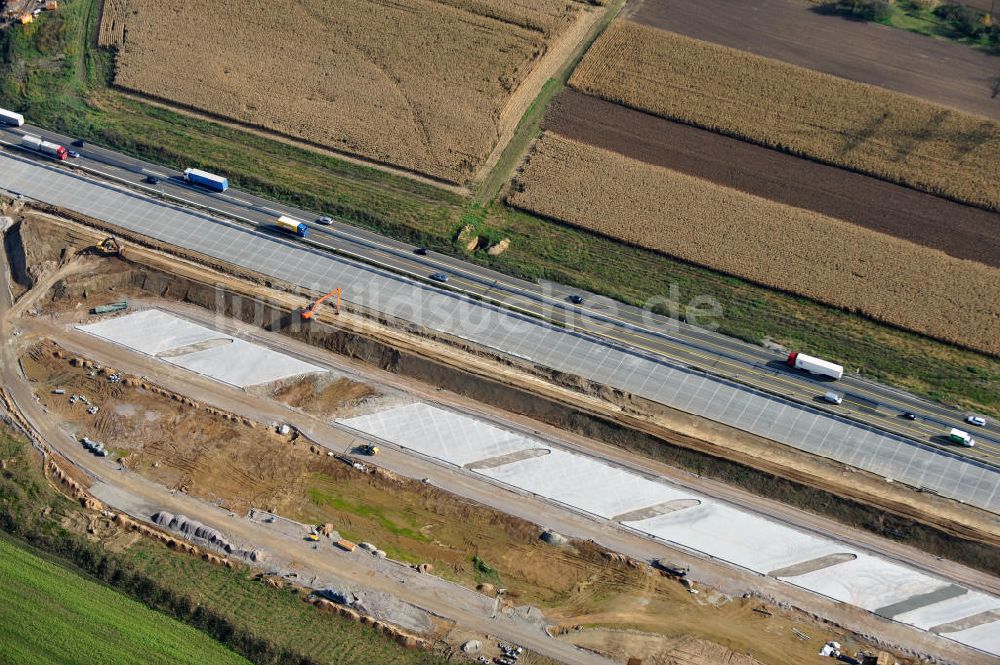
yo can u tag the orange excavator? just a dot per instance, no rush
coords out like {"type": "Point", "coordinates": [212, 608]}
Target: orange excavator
{"type": "Point", "coordinates": [311, 310]}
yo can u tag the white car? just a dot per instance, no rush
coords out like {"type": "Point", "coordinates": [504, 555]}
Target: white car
{"type": "Point", "coordinates": [976, 420]}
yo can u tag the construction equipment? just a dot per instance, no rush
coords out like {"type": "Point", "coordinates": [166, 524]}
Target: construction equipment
{"type": "Point", "coordinates": [311, 310]}
{"type": "Point", "coordinates": [109, 246]}
{"type": "Point", "coordinates": [312, 537]}
{"type": "Point", "coordinates": [112, 307]}
{"type": "Point", "coordinates": [346, 545]}
{"type": "Point", "coordinates": [369, 449]}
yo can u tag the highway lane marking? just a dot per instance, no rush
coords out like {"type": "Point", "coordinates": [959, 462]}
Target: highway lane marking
{"type": "Point", "coordinates": [517, 293]}
{"type": "Point", "coordinates": [773, 377]}
{"type": "Point", "coordinates": [767, 381]}
{"type": "Point", "coordinates": [779, 378]}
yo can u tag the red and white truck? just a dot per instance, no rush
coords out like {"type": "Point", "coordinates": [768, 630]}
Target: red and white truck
{"type": "Point", "coordinates": [815, 365]}
{"type": "Point", "coordinates": [39, 144]}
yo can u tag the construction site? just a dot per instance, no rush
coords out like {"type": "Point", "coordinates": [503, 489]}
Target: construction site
{"type": "Point", "coordinates": [460, 499]}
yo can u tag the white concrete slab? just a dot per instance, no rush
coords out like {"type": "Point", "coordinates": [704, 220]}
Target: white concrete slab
{"type": "Point", "coordinates": [985, 637]}
{"type": "Point", "coordinates": [243, 364]}
{"type": "Point", "coordinates": [869, 582]}
{"type": "Point", "coordinates": [585, 483]}
{"type": "Point", "coordinates": [717, 529]}
{"type": "Point", "coordinates": [442, 434]}
{"type": "Point", "coordinates": [739, 537]}
{"type": "Point", "coordinates": [953, 609]}
{"type": "Point", "coordinates": [238, 363]}
{"type": "Point", "coordinates": [151, 331]}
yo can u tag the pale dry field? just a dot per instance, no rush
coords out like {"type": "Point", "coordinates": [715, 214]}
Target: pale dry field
{"type": "Point", "coordinates": [830, 119]}
{"type": "Point", "coordinates": [418, 84]}
{"type": "Point", "coordinates": [787, 248]}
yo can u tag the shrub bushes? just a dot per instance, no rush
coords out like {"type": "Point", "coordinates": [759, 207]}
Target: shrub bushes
{"type": "Point", "coordinates": [965, 21]}
{"type": "Point", "coordinates": [866, 10]}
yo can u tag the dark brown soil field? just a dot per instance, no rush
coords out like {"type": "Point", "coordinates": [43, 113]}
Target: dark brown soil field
{"type": "Point", "coordinates": [943, 72]}
{"type": "Point", "coordinates": [958, 230]}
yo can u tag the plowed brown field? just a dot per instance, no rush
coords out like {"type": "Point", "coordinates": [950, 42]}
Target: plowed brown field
{"type": "Point", "coordinates": [419, 84]}
{"type": "Point", "coordinates": [826, 118]}
{"type": "Point", "coordinates": [940, 71]}
{"type": "Point", "coordinates": [768, 243]}
{"type": "Point", "coordinates": [959, 230]}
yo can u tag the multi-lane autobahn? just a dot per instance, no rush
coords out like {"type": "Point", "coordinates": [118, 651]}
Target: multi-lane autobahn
{"type": "Point", "coordinates": [865, 401]}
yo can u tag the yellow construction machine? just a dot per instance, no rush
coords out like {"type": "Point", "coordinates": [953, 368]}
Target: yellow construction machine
{"type": "Point", "coordinates": [109, 246]}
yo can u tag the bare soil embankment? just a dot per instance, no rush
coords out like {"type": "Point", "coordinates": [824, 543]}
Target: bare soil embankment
{"type": "Point", "coordinates": [928, 522]}
{"type": "Point", "coordinates": [958, 230]}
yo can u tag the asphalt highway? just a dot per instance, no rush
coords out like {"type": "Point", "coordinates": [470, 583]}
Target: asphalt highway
{"type": "Point", "coordinates": [866, 401]}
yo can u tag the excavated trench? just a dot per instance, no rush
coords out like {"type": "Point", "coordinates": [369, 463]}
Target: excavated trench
{"type": "Point", "coordinates": [34, 249]}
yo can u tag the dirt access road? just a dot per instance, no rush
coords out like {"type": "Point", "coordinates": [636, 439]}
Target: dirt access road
{"type": "Point", "coordinates": [135, 491]}
{"type": "Point", "coordinates": [613, 536]}
{"type": "Point", "coordinates": [942, 72]}
{"type": "Point", "coordinates": [961, 231]}
{"type": "Point", "coordinates": [572, 524]}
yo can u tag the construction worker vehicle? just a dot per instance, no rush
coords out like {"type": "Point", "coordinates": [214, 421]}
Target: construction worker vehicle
{"type": "Point", "coordinates": [310, 311]}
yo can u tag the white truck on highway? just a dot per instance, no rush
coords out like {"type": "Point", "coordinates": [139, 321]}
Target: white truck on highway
{"type": "Point", "coordinates": [11, 118]}
{"type": "Point", "coordinates": [961, 438]}
{"type": "Point", "coordinates": [814, 365]}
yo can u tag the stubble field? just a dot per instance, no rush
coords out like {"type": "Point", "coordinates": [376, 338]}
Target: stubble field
{"type": "Point", "coordinates": [959, 230]}
{"type": "Point", "coordinates": [779, 246]}
{"type": "Point", "coordinates": [822, 117]}
{"type": "Point", "coordinates": [936, 70]}
{"type": "Point", "coordinates": [417, 84]}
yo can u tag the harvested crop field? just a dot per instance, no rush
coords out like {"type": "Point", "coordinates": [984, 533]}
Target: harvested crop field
{"type": "Point", "coordinates": [961, 231]}
{"type": "Point", "coordinates": [768, 243]}
{"type": "Point", "coordinates": [937, 70]}
{"type": "Point", "coordinates": [829, 119]}
{"type": "Point", "coordinates": [350, 76]}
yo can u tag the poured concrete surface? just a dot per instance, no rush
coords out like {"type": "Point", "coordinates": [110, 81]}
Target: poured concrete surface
{"type": "Point", "coordinates": [151, 331]}
{"type": "Point", "coordinates": [199, 349]}
{"type": "Point", "coordinates": [585, 483]}
{"type": "Point", "coordinates": [244, 364]}
{"type": "Point", "coordinates": [652, 506]}
{"type": "Point", "coordinates": [870, 582]}
{"type": "Point", "coordinates": [985, 637]}
{"type": "Point", "coordinates": [441, 434]}
{"type": "Point", "coordinates": [940, 614]}
{"type": "Point", "coordinates": [739, 537]}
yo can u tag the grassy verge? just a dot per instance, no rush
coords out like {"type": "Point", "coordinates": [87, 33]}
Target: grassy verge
{"type": "Point", "coordinates": [74, 602]}
{"type": "Point", "coordinates": [50, 72]}
{"type": "Point", "coordinates": [53, 615]}
{"type": "Point", "coordinates": [672, 212]}
{"type": "Point", "coordinates": [530, 126]}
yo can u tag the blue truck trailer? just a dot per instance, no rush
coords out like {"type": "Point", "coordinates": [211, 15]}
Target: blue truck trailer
{"type": "Point", "coordinates": [205, 179]}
